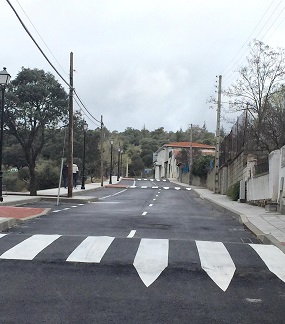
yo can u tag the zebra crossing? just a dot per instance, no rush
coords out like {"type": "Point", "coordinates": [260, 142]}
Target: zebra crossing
{"type": "Point", "coordinates": [150, 257]}
{"type": "Point", "coordinates": [157, 187]}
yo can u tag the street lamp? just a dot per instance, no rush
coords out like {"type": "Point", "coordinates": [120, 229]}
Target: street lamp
{"type": "Point", "coordinates": [111, 164]}
{"type": "Point", "coordinates": [85, 127]}
{"type": "Point", "coordinates": [119, 151]}
{"type": "Point", "coordinates": [122, 162]}
{"type": "Point", "coordinates": [4, 80]}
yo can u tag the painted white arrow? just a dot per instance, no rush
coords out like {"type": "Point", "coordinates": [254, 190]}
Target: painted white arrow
{"type": "Point", "coordinates": [217, 262]}
{"type": "Point", "coordinates": [91, 250]}
{"type": "Point", "coordinates": [151, 259]}
{"type": "Point", "coordinates": [273, 258]}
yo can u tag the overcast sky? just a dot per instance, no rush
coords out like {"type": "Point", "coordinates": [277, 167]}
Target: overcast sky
{"type": "Point", "coordinates": [139, 63]}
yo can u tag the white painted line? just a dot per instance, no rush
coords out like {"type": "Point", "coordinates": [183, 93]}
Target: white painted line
{"type": "Point", "coordinates": [1, 235]}
{"type": "Point", "coordinates": [56, 211]}
{"type": "Point", "coordinates": [217, 262]}
{"type": "Point", "coordinates": [91, 250]}
{"type": "Point", "coordinates": [150, 205]}
{"type": "Point", "coordinates": [132, 233]}
{"type": "Point", "coordinates": [80, 204]}
{"type": "Point", "coordinates": [67, 208]}
{"type": "Point", "coordinates": [74, 206]}
{"type": "Point", "coordinates": [143, 187]}
{"type": "Point", "coordinates": [177, 188]}
{"type": "Point", "coordinates": [151, 179]}
{"type": "Point", "coordinates": [154, 198]}
{"type": "Point", "coordinates": [117, 193]}
{"type": "Point", "coordinates": [132, 186]}
{"type": "Point", "coordinates": [151, 259]}
{"type": "Point", "coordinates": [166, 188]}
{"type": "Point", "coordinates": [158, 180]}
{"type": "Point", "coordinates": [272, 257]}
{"type": "Point", "coordinates": [144, 213]}
{"type": "Point", "coordinates": [188, 188]}
{"type": "Point", "coordinates": [139, 179]}
{"type": "Point", "coordinates": [164, 180]}
{"type": "Point", "coordinates": [155, 187]}
{"type": "Point", "coordinates": [30, 247]}
{"type": "Point", "coordinates": [145, 179]}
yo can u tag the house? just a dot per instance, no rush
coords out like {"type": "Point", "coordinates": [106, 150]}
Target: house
{"type": "Point", "coordinates": [170, 160]}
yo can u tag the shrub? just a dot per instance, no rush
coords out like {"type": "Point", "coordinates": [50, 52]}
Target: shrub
{"type": "Point", "coordinates": [47, 173]}
{"type": "Point", "coordinates": [233, 191]}
{"type": "Point", "coordinates": [12, 182]}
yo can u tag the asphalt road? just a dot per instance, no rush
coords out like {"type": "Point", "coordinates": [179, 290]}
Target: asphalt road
{"type": "Point", "coordinates": [151, 253]}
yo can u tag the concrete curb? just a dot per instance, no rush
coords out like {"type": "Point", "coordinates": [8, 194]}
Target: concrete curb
{"type": "Point", "coordinates": [264, 238]}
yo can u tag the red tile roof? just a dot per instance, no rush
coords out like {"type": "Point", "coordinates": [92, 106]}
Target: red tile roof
{"type": "Point", "coordinates": [187, 144]}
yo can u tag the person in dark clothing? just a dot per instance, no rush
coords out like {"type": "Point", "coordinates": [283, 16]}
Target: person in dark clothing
{"type": "Point", "coordinates": [65, 175]}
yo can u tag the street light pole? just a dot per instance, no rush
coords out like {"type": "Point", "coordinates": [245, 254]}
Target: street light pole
{"type": "Point", "coordinates": [85, 127]}
{"type": "Point", "coordinates": [4, 80]}
{"type": "Point", "coordinates": [122, 162]}
{"type": "Point", "coordinates": [118, 176]}
{"type": "Point", "coordinates": [111, 164]}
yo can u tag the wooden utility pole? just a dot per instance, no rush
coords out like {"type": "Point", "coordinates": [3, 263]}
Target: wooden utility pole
{"type": "Point", "coordinates": [101, 151]}
{"type": "Point", "coordinates": [218, 139]}
{"type": "Point", "coordinates": [70, 131]}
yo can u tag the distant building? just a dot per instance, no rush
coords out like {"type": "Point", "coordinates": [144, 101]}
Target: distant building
{"type": "Point", "coordinates": [169, 162]}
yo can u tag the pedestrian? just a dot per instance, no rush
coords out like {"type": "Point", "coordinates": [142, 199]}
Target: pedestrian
{"type": "Point", "coordinates": [75, 174]}
{"type": "Point", "coordinates": [65, 175]}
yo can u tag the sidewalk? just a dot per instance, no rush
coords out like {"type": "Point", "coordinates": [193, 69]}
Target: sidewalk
{"type": "Point", "coordinates": [11, 213]}
{"type": "Point", "coordinates": [269, 227]}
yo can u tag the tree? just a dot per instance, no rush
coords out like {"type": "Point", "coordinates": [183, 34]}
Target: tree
{"type": "Point", "coordinates": [258, 82]}
{"type": "Point", "coordinates": [35, 103]}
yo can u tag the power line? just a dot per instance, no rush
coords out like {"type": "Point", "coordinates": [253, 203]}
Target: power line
{"type": "Point", "coordinates": [41, 37]}
{"type": "Point", "coordinates": [54, 68]}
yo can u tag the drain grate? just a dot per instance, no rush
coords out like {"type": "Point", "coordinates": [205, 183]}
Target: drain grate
{"type": "Point", "coordinates": [246, 240]}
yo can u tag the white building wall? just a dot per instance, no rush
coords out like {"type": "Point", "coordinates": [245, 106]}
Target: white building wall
{"type": "Point", "coordinates": [274, 169]}
{"type": "Point", "coordinates": [258, 188]}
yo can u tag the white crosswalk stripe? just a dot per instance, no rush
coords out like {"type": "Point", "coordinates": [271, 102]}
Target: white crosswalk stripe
{"type": "Point", "coordinates": [151, 257]}
{"type": "Point", "coordinates": [92, 249]}
{"type": "Point", "coordinates": [273, 258]}
{"type": "Point", "coordinates": [217, 262]}
{"type": "Point", "coordinates": [29, 248]}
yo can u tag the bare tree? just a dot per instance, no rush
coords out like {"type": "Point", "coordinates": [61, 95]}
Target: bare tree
{"type": "Point", "coordinates": [255, 90]}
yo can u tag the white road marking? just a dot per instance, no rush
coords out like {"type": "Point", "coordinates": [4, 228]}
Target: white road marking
{"type": "Point", "coordinates": [150, 205]}
{"type": "Point", "coordinates": [155, 187]}
{"type": "Point", "coordinates": [144, 213]}
{"type": "Point", "coordinates": [80, 204]}
{"type": "Point", "coordinates": [91, 250]}
{"type": "Point", "coordinates": [67, 208]}
{"type": "Point", "coordinates": [158, 180]}
{"type": "Point", "coordinates": [272, 257]}
{"type": "Point", "coordinates": [188, 188]}
{"type": "Point", "coordinates": [151, 259]}
{"type": "Point", "coordinates": [177, 188]}
{"type": "Point", "coordinates": [56, 211]}
{"type": "Point", "coordinates": [30, 247]}
{"type": "Point", "coordinates": [1, 235]}
{"type": "Point", "coordinates": [145, 179]}
{"type": "Point", "coordinates": [164, 180]}
{"type": "Point", "coordinates": [115, 194]}
{"type": "Point", "coordinates": [132, 186]}
{"type": "Point", "coordinates": [143, 187]}
{"type": "Point", "coordinates": [74, 206]}
{"type": "Point", "coordinates": [139, 179]}
{"type": "Point", "coordinates": [166, 188]}
{"type": "Point", "coordinates": [154, 198]}
{"type": "Point", "coordinates": [132, 233]}
{"type": "Point", "coordinates": [217, 262]}
{"type": "Point", "coordinates": [151, 179]}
